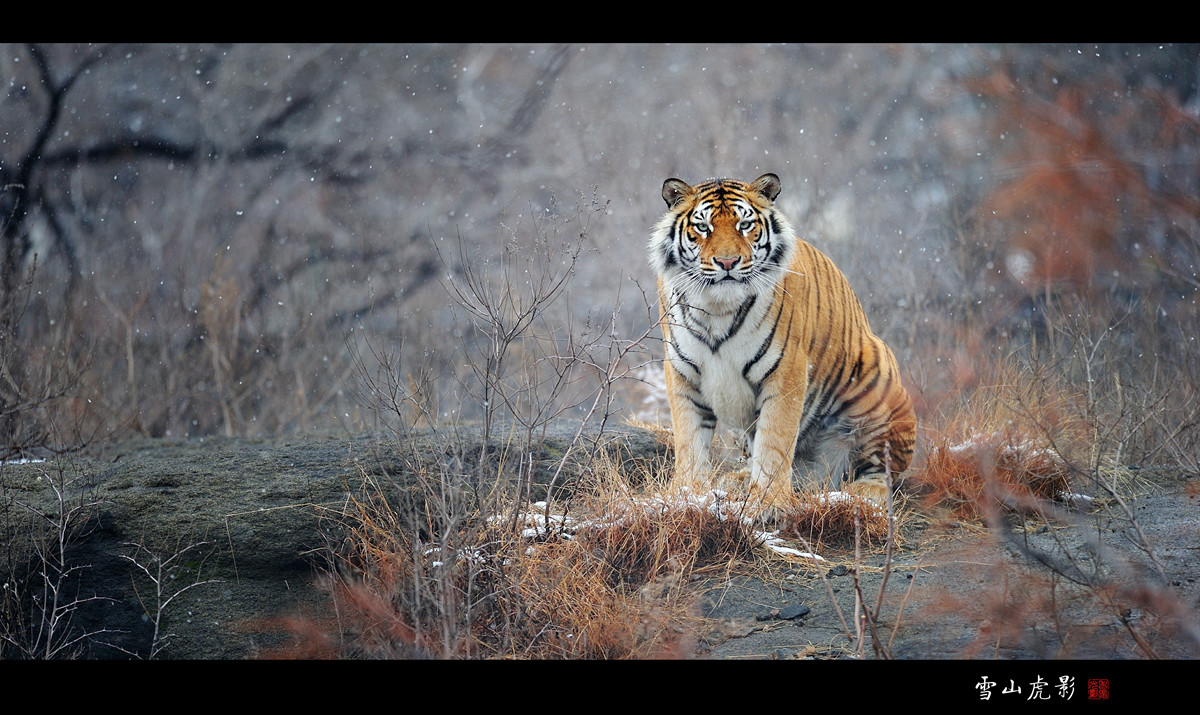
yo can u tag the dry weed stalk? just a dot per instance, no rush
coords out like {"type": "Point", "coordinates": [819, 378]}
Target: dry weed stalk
{"type": "Point", "coordinates": [866, 520]}
{"type": "Point", "coordinates": [41, 592]}
{"type": "Point", "coordinates": [161, 572]}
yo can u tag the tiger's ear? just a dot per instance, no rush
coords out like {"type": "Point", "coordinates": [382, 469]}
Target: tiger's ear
{"type": "Point", "coordinates": [768, 185]}
{"type": "Point", "coordinates": [674, 191]}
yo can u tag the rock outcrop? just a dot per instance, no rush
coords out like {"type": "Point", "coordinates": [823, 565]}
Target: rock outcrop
{"type": "Point", "coordinates": [243, 525]}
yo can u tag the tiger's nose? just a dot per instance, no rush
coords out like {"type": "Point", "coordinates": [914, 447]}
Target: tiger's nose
{"type": "Point", "coordinates": [727, 262]}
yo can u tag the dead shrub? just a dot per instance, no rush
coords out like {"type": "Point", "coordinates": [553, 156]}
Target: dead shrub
{"type": "Point", "coordinates": [835, 520]}
{"type": "Point", "coordinates": [1003, 445]}
{"type": "Point", "coordinates": [1011, 468]}
{"type": "Point", "coordinates": [609, 580]}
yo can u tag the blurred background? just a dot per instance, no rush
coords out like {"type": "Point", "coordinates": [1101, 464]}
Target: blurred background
{"type": "Point", "coordinates": [271, 239]}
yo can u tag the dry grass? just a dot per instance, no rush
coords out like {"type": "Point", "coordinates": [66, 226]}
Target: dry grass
{"type": "Point", "coordinates": [835, 520]}
{"type": "Point", "coordinates": [1012, 469]}
{"type": "Point", "coordinates": [1018, 608]}
{"type": "Point", "coordinates": [822, 519]}
{"type": "Point", "coordinates": [609, 580]}
{"type": "Point", "coordinates": [1005, 446]}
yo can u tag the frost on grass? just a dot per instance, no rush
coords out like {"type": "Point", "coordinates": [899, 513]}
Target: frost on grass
{"type": "Point", "coordinates": [540, 522]}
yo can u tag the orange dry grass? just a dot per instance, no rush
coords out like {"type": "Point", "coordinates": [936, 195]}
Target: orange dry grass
{"type": "Point", "coordinates": [363, 624]}
{"type": "Point", "coordinates": [823, 521]}
{"type": "Point", "coordinates": [1016, 609]}
{"type": "Point", "coordinates": [618, 589]}
{"type": "Point", "coordinates": [568, 602]}
{"type": "Point", "coordinates": [970, 478]}
{"type": "Point", "coordinates": [615, 588]}
{"type": "Point", "coordinates": [641, 541]}
{"type": "Point", "coordinates": [1002, 446]}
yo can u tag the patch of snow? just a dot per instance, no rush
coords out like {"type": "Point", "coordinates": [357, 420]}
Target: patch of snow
{"type": "Point", "coordinates": [772, 541]}
{"type": "Point", "coordinates": [1026, 448]}
{"type": "Point", "coordinates": [1077, 499]}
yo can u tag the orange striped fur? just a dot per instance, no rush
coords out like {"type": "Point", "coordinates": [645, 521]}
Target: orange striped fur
{"type": "Point", "coordinates": [764, 335]}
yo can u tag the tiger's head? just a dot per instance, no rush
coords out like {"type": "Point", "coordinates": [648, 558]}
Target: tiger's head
{"type": "Point", "coordinates": [722, 238]}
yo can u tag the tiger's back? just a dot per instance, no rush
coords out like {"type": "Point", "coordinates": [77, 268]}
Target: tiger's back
{"type": "Point", "coordinates": [765, 335]}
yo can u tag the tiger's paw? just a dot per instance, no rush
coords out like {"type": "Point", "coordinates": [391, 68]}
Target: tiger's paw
{"type": "Point", "coordinates": [873, 488]}
{"type": "Point", "coordinates": [691, 484]}
{"type": "Point", "coordinates": [769, 504]}
{"type": "Point", "coordinates": [735, 482]}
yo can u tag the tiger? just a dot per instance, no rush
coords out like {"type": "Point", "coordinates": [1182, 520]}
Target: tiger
{"type": "Point", "coordinates": [764, 334]}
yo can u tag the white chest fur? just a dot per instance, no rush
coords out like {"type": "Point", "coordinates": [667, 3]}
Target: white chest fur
{"type": "Point", "coordinates": [715, 342]}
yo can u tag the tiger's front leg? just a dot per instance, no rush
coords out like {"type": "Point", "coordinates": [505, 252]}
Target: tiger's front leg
{"type": "Point", "coordinates": [774, 446]}
{"type": "Point", "coordinates": [694, 423]}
